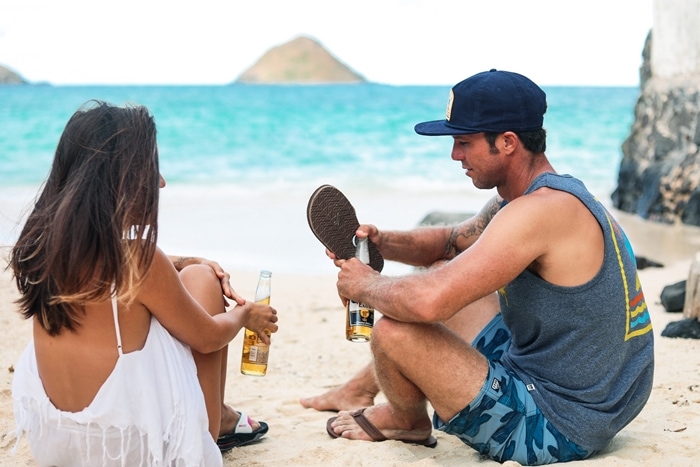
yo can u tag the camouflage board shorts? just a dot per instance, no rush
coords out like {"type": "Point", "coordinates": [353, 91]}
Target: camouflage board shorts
{"type": "Point", "coordinates": [503, 422]}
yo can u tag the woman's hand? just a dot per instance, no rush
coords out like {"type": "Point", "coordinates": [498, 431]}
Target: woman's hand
{"type": "Point", "coordinates": [225, 279]}
{"type": "Point", "coordinates": [261, 319]}
{"type": "Point", "coordinates": [181, 262]}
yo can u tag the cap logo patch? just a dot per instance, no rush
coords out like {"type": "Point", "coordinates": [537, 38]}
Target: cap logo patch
{"type": "Point", "coordinates": [448, 112]}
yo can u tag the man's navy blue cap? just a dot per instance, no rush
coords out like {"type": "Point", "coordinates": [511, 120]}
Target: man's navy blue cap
{"type": "Point", "coordinates": [491, 101]}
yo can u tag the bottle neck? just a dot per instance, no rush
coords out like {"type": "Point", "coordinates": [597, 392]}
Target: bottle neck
{"type": "Point", "coordinates": [362, 250]}
{"type": "Point", "coordinates": [262, 292]}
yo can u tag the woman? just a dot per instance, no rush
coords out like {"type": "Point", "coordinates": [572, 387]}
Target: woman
{"type": "Point", "coordinates": [127, 363]}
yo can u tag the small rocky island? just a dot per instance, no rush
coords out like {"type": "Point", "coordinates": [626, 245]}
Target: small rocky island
{"type": "Point", "coordinates": [302, 60]}
{"type": "Point", "coordinates": [8, 76]}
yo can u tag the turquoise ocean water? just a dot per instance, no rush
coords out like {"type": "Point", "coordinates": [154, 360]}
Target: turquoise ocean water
{"type": "Point", "coordinates": [287, 134]}
{"type": "Point", "coordinates": [280, 142]}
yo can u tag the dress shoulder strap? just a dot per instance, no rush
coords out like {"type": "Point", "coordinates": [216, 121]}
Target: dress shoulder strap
{"type": "Point", "coordinates": [116, 324]}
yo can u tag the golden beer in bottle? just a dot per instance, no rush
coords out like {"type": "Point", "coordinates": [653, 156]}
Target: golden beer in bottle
{"type": "Point", "coordinates": [359, 318]}
{"type": "Point", "coordinates": [255, 351]}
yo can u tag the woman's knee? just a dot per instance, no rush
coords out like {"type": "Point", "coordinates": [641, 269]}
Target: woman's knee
{"type": "Point", "coordinates": [197, 273]}
{"type": "Point", "coordinates": [204, 285]}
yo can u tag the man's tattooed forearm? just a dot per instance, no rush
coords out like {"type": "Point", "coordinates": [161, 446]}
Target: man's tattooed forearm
{"type": "Point", "coordinates": [473, 228]}
{"type": "Point", "coordinates": [451, 249]}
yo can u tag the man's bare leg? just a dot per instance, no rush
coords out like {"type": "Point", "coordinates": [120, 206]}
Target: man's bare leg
{"type": "Point", "coordinates": [469, 322]}
{"type": "Point", "coordinates": [361, 389]}
{"type": "Point", "coordinates": [441, 368]}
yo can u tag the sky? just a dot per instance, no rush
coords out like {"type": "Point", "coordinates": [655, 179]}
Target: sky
{"type": "Point", "coordinates": [399, 42]}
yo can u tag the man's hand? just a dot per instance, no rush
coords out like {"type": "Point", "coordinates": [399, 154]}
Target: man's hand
{"type": "Point", "coordinates": [353, 273]}
{"type": "Point", "coordinates": [363, 231]}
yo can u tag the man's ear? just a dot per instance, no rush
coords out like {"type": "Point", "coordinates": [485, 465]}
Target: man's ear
{"type": "Point", "coordinates": [510, 141]}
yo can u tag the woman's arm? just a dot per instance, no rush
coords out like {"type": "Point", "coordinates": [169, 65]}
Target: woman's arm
{"type": "Point", "coordinates": [165, 296]}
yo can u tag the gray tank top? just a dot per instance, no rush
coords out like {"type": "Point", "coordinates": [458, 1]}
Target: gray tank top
{"type": "Point", "coordinates": [585, 352]}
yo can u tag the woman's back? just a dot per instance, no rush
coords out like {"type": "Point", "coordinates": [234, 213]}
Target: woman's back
{"type": "Point", "coordinates": [74, 365]}
{"type": "Point", "coordinates": [149, 409]}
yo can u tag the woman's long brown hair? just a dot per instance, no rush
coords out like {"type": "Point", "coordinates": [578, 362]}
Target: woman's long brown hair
{"type": "Point", "coordinates": [94, 225]}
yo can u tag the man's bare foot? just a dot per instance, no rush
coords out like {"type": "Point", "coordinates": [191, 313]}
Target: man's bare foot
{"type": "Point", "coordinates": [359, 391]}
{"type": "Point", "coordinates": [229, 420]}
{"type": "Point", "coordinates": [340, 398]}
{"type": "Point", "coordinates": [381, 417]}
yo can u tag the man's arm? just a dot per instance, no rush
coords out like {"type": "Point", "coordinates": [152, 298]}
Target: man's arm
{"type": "Point", "coordinates": [463, 235]}
{"type": "Point", "coordinates": [425, 246]}
{"type": "Point", "coordinates": [522, 232]}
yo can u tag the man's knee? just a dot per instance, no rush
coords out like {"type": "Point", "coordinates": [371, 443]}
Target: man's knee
{"type": "Point", "coordinates": [389, 334]}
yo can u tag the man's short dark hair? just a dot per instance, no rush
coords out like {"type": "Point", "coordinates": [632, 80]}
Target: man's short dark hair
{"type": "Point", "coordinates": [533, 141]}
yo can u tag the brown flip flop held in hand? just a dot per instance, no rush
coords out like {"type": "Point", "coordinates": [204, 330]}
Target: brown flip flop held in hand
{"type": "Point", "coordinates": [374, 433]}
{"type": "Point", "coordinates": [333, 221]}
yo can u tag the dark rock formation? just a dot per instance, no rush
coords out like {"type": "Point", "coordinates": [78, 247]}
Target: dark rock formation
{"type": "Point", "coordinates": [688, 328]}
{"type": "Point", "coordinates": [300, 61]}
{"type": "Point", "coordinates": [8, 76]}
{"type": "Point", "coordinates": [673, 296]}
{"type": "Point", "coordinates": [659, 176]}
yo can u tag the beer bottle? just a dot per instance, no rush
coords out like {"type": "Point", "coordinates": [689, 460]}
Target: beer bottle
{"type": "Point", "coordinates": [359, 317]}
{"type": "Point", "coordinates": [255, 351]}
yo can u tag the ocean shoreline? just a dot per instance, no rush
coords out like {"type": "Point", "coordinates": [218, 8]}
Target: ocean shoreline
{"type": "Point", "coordinates": [267, 229]}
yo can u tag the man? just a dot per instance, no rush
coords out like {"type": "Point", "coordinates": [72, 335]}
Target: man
{"type": "Point", "coordinates": [561, 362]}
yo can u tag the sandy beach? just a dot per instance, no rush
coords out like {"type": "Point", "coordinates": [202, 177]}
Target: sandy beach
{"type": "Point", "coordinates": [310, 355]}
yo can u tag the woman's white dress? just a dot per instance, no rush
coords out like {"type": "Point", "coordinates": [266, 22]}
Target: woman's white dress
{"type": "Point", "coordinates": [149, 412]}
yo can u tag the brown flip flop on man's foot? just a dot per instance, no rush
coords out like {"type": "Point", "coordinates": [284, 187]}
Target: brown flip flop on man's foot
{"type": "Point", "coordinates": [375, 434]}
{"type": "Point", "coordinates": [333, 221]}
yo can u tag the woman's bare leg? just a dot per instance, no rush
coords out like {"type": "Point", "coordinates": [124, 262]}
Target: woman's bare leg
{"type": "Point", "coordinates": [205, 287]}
